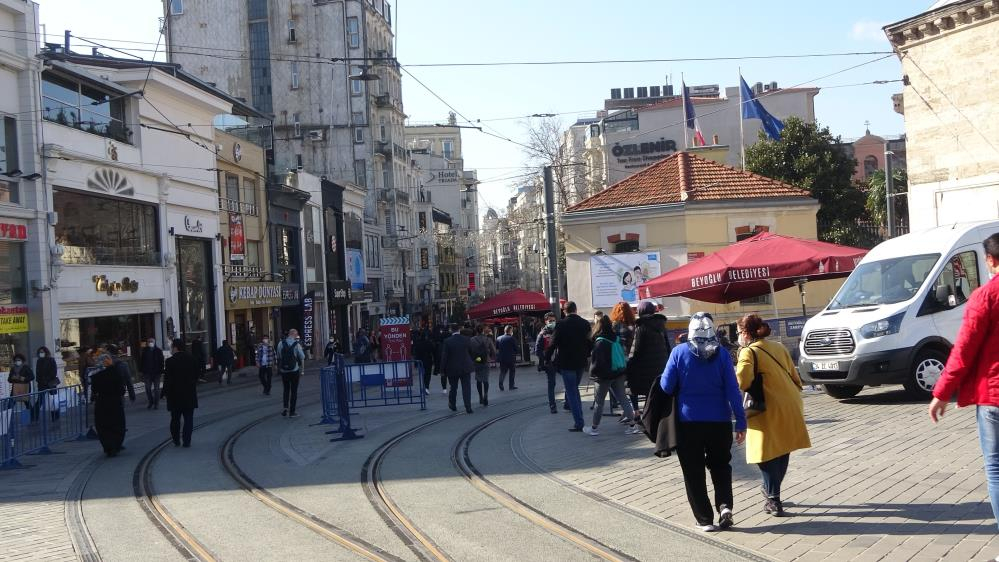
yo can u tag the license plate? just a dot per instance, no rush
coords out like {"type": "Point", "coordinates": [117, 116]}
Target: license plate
{"type": "Point", "coordinates": [825, 366]}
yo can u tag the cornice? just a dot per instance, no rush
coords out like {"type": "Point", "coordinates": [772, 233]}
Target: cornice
{"type": "Point", "coordinates": [937, 23]}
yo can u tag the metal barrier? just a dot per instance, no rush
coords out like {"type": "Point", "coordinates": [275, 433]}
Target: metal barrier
{"type": "Point", "coordinates": [29, 423]}
{"type": "Point", "coordinates": [386, 384]}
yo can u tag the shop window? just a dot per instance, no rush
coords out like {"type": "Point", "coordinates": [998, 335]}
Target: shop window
{"type": "Point", "coordinates": [104, 231]}
{"type": "Point", "coordinates": [9, 159]}
{"type": "Point", "coordinates": [12, 290]}
{"type": "Point", "coordinates": [84, 107]}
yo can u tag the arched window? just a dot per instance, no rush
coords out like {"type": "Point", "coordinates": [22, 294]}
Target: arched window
{"type": "Point", "coordinates": [870, 166]}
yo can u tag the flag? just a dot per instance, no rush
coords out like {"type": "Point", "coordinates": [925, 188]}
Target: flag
{"type": "Point", "coordinates": [692, 123]}
{"type": "Point", "coordinates": [753, 109]}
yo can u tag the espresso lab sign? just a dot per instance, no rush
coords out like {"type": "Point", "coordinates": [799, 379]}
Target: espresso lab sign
{"type": "Point", "coordinates": [252, 295]}
{"type": "Point", "coordinates": [13, 319]}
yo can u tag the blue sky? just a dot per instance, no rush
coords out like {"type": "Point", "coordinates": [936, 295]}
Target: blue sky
{"type": "Point", "coordinates": [436, 31]}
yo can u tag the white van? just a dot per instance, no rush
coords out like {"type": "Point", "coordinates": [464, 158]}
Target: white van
{"type": "Point", "coordinates": [895, 318]}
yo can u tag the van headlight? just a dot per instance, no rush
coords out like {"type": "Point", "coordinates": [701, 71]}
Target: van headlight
{"type": "Point", "coordinates": [884, 327]}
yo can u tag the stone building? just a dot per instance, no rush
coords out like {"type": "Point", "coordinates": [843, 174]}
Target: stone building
{"type": "Point", "coordinates": [952, 134]}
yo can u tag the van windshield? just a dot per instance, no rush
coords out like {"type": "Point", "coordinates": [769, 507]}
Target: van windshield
{"type": "Point", "coordinates": [884, 282]}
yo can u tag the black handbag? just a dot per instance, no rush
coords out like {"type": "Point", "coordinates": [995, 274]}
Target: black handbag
{"type": "Point", "coordinates": [754, 402]}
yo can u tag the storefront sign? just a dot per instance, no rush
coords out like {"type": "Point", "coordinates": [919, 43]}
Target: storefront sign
{"type": "Point", "coordinates": [105, 285]}
{"type": "Point", "coordinates": [13, 231]}
{"type": "Point", "coordinates": [340, 292]}
{"type": "Point", "coordinates": [193, 224]}
{"type": "Point", "coordinates": [308, 319]}
{"type": "Point", "coordinates": [252, 295]}
{"type": "Point", "coordinates": [662, 145]}
{"type": "Point", "coordinates": [395, 338]}
{"type": "Point", "coordinates": [237, 241]}
{"type": "Point", "coordinates": [291, 293]}
{"type": "Point", "coordinates": [13, 319]}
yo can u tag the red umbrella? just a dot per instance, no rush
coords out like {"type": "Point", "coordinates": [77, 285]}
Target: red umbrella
{"type": "Point", "coordinates": [512, 302]}
{"type": "Point", "coordinates": [753, 267]}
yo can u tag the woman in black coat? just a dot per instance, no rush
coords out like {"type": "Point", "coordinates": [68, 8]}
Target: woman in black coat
{"type": "Point", "coordinates": [180, 387]}
{"type": "Point", "coordinates": [648, 353]}
{"type": "Point", "coordinates": [46, 377]}
{"type": "Point", "coordinates": [108, 388]}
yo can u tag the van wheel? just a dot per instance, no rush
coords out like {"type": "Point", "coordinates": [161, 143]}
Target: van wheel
{"type": "Point", "coordinates": [841, 391]}
{"type": "Point", "coordinates": [926, 370]}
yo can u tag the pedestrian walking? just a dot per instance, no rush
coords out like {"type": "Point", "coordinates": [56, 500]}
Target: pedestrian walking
{"type": "Point", "coordinates": [440, 334]}
{"type": "Point", "coordinates": [46, 379]}
{"type": "Point", "coordinates": [123, 371]}
{"type": "Point", "coordinates": [224, 358]}
{"type": "Point", "coordinates": [707, 393]}
{"type": "Point", "coordinates": [423, 351]}
{"type": "Point", "coordinates": [107, 387]}
{"type": "Point", "coordinates": [483, 351]}
{"type": "Point", "coordinates": [457, 365]}
{"type": "Point", "coordinates": [972, 370]}
{"type": "Point", "coordinates": [20, 378]}
{"type": "Point", "coordinates": [151, 367]}
{"type": "Point", "coordinates": [649, 351]}
{"type": "Point", "coordinates": [542, 344]}
{"type": "Point", "coordinates": [362, 347]}
{"type": "Point", "coordinates": [331, 350]}
{"type": "Point", "coordinates": [265, 364]}
{"type": "Point", "coordinates": [506, 355]}
{"type": "Point", "coordinates": [291, 362]}
{"type": "Point", "coordinates": [180, 387]}
{"type": "Point", "coordinates": [570, 353]}
{"type": "Point", "coordinates": [607, 369]}
{"type": "Point", "coordinates": [623, 321]}
{"type": "Point", "coordinates": [779, 429]}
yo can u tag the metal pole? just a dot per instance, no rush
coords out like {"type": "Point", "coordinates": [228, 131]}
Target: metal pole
{"type": "Point", "coordinates": [553, 288]}
{"type": "Point", "coordinates": [889, 180]}
{"type": "Point", "coordinates": [742, 132]}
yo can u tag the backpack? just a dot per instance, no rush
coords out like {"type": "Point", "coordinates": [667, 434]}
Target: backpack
{"type": "Point", "coordinates": [618, 358]}
{"type": "Point", "coordinates": [289, 362]}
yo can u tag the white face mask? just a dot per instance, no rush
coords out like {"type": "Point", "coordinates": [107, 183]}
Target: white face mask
{"type": "Point", "coordinates": [151, 343]}
{"type": "Point", "coordinates": [266, 341]}
{"type": "Point", "coordinates": [18, 363]}
{"type": "Point", "coordinates": [744, 341]}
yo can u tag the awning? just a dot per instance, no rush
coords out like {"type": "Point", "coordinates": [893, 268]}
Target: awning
{"type": "Point", "coordinates": [513, 302]}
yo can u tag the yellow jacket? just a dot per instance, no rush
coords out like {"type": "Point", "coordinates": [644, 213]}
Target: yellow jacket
{"type": "Point", "coordinates": [781, 428]}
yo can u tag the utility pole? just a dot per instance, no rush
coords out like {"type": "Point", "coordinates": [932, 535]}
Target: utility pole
{"type": "Point", "coordinates": [553, 286]}
{"type": "Point", "coordinates": [889, 187]}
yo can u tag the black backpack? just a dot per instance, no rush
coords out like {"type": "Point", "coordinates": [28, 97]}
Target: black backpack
{"type": "Point", "coordinates": [289, 362]}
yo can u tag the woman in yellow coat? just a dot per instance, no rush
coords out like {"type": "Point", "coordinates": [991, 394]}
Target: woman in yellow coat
{"type": "Point", "coordinates": [780, 429]}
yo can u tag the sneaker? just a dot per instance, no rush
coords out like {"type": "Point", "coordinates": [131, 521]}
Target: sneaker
{"type": "Point", "coordinates": [444, 392]}
{"type": "Point", "coordinates": [709, 528]}
{"type": "Point", "coordinates": [634, 430]}
{"type": "Point", "coordinates": [591, 431]}
{"type": "Point", "coordinates": [426, 392]}
{"type": "Point", "coordinates": [725, 519]}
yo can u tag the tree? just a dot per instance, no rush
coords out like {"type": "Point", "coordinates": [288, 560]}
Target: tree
{"type": "Point", "coordinates": [808, 157]}
{"type": "Point", "coordinates": [877, 210]}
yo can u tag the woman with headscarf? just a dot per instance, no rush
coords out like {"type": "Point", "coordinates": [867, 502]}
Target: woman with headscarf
{"type": "Point", "coordinates": [108, 388]}
{"type": "Point", "coordinates": [707, 397]}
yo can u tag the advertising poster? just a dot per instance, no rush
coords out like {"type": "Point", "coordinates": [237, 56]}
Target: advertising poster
{"type": "Point", "coordinates": [395, 338]}
{"type": "Point", "coordinates": [237, 241]}
{"type": "Point", "coordinates": [13, 318]}
{"type": "Point", "coordinates": [616, 277]}
{"type": "Point", "coordinates": [355, 269]}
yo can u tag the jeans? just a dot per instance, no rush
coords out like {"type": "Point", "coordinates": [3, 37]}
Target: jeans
{"type": "Point", "coordinates": [988, 434]}
{"type": "Point", "coordinates": [570, 379]}
{"type": "Point", "coordinates": [266, 374]}
{"type": "Point", "coordinates": [616, 388]}
{"type": "Point", "coordinates": [175, 430]}
{"type": "Point", "coordinates": [504, 367]}
{"type": "Point", "coordinates": [290, 397]}
{"type": "Point", "coordinates": [773, 474]}
{"type": "Point", "coordinates": [706, 445]}
{"type": "Point", "coordinates": [152, 388]}
{"type": "Point", "coordinates": [552, 377]}
{"type": "Point", "coordinates": [466, 390]}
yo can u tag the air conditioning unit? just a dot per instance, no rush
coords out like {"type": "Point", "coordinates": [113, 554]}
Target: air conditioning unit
{"type": "Point", "coordinates": [316, 135]}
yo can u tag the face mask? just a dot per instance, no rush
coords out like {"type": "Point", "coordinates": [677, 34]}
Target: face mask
{"type": "Point", "coordinates": [266, 341]}
{"type": "Point", "coordinates": [551, 325]}
{"type": "Point", "coordinates": [744, 341]}
{"type": "Point", "coordinates": [41, 355]}
{"type": "Point", "coordinates": [18, 363]}
{"type": "Point", "coordinates": [701, 336]}
{"type": "Point", "coordinates": [151, 343]}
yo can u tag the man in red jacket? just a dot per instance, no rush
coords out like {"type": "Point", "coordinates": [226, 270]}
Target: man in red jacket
{"type": "Point", "coordinates": [972, 370]}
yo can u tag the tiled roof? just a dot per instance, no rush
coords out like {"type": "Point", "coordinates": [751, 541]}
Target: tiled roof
{"type": "Point", "coordinates": [686, 177]}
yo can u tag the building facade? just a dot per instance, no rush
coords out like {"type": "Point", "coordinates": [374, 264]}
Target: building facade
{"type": "Point", "coordinates": [951, 131]}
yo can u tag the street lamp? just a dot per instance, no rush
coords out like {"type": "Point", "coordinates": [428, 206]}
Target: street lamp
{"type": "Point", "coordinates": [365, 76]}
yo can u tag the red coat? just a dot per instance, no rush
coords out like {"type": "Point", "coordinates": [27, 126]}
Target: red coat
{"type": "Point", "coordinates": [972, 370]}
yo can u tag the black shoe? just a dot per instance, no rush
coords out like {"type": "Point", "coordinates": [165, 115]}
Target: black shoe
{"type": "Point", "coordinates": [485, 401]}
{"type": "Point", "coordinates": [480, 401]}
{"type": "Point", "coordinates": [725, 520]}
{"type": "Point", "coordinates": [513, 388]}
{"type": "Point", "coordinates": [565, 406]}
{"type": "Point", "coordinates": [149, 406]}
{"type": "Point", "coordinates": [452, 407]}
{"type": "Point", "coordinates": [501, 387]}
{"type": "Point", "coordinates": [468, 410]}
{"type": "Point", "coordinates": [187, 445]}
{"type": "Point", "coordinates": [176, 442]}
{"type": "Point", "coordinates": [576, 429]}
{"type": "Point", "coordinates": [554, 410]}
{"type": "Point", "coordinates": [284, 412]}
{"type": "Point", "coordinates": [156, 406]}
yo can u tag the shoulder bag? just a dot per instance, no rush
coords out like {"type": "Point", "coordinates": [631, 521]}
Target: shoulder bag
{"type": "Point", "coordinates": [753, 400]}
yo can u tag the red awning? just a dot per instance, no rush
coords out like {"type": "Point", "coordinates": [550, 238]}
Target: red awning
{"type": "Point", "coordinates": [513, 302]}
{"type": "Point", "coordinates": [746, 269]}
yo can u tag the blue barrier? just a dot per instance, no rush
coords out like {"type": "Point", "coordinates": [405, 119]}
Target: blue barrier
{"type": "Point", "coordinates": [392, 383]}
{"type": "Point", "coordinates": [29, 423]}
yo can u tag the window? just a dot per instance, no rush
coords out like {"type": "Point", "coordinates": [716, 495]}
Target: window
{"type": "Point", "coordinates": [373, 253]}
{"type": "Point", "coordinates": [260, 55]}
{"type": "Point", "coordinates": [386, 178]}
{"type": "Point", "coordinates": [298, 161]}
{"type": "Point", "coordinates": [448, 147]}
{"type": "Point", "coordinates": [176, 7]}
{"type": "Point", "coordinates": [83, 107]}
{"type": "Point", "coordinates": [356, 86]}
{"type": "Point", "coordinates": [357, 118]}
{"type": "Point", "coordinates": [9, 159]}
{"type": "Point", "coordinates": [353, 32]}
{"type": "Point", "coordinates": [103, 231]}
{"type": "Point", "coordinates": [287, 253]}
{"type": "Point", "coordinates": [294, 75]}
{"type": "Point", "coordinates": [954, 284]}
{"type": "Point", "coordinates": [882, 282]}
{"type": "Point", "coordinates": [358, 134]}
{"type": "Point", "coordinates": [291, 31]}
{"type": "Point", "coordinates": [296, 125]}
{"type": "Point", "coordinates": [870, 166]}
{"type": "Point", "coordinates": [361, 172]}
{"type": "Point", "coordinates": [744, 232]}
{"type": "Point", "coordinates": [232, 187]}
{"type": "Point", "coordinates": [252, 251]}
{"type": "Point", "coordinates": [310, 248]}
{"type": "Point", "coordinates": [249, 191]}
{"type": "Point", "coordinates": [382, 132]}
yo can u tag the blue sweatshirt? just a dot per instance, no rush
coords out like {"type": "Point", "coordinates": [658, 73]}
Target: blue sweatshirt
{"type": "Point", "coordinates": [709, 391]}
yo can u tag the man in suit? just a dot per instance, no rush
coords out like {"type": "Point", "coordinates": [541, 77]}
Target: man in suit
{"type": "Point", "coordinates": [180, 387]}
{"type": "Point", "coordinates": [570, 353]}
{"type": "Point", "coordinates": [457, 366]}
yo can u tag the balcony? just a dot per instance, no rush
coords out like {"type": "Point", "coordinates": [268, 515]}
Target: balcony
{"type": "Point", "coordinates": [234, 271]}
{"type": "Point", "coordinates": [386, 195]}
{"type": "Point", "coordinates": [384, 148]}
{"type": "Point", "coordinates": [383, 100]}
{"type": "Point", "coordinates": [242, 207]}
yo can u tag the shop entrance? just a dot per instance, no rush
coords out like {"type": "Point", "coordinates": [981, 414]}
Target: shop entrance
{"type": "Point", "coordinates": [124, 331]}
{"type": "Point", "coordinates": [196, 284]}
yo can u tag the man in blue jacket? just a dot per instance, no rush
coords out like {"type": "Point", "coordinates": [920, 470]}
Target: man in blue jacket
{"type": "Point", "coordinates": [708, 397]}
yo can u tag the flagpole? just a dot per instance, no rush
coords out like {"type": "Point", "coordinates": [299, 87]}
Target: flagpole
{"type": "Point", "coordinates": [683, 104]}
{"type": "Point", "coordinates": [742, 132]}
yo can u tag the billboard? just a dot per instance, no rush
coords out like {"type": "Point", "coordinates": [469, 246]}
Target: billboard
{"type": "Point", "coordinates": [355, 269]}
{"type": "Point", "coordinates": [616, 277]}
{"type": "Point", "coordinates": [237, 239]}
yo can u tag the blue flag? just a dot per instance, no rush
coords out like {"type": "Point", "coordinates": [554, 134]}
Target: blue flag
{"type": "Point", "coordinates": [753, 109]}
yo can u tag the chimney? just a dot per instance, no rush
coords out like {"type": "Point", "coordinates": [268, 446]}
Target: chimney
{"type": "Point", "coordinates": [714, 140]}
{"type": "Point", "coordinates": [683, 165]}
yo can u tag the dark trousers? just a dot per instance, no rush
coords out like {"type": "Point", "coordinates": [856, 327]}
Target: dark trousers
{"type": "Point", "coordinates": [706, 445]}
{"type": "Point", "coordinates": [552, 378]}
{"type": "Point", "coordinates": [507, 367]}
{"type": "Point", "coordinates": [290, 397]}
{"type": "Point", "coordinates": [773, 474]}
{"type": "Point", "coordinates": [266, 374]}
{"type": "Point", "coordinates": [152, 388]}
{"type": "Point", "coordinates": [175, 430]}
{"type": "Point", "coordinates": [428, 371]}
{"type": "Point", "coordinates": [570, 380]}
{"type": "Point", "coordinates": [483, 388]}
{"type": "Point", "coordinates": [466, 390]}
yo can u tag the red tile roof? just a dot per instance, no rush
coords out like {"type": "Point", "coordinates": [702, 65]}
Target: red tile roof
{"type": "Point", "coordinates": [682, 173]}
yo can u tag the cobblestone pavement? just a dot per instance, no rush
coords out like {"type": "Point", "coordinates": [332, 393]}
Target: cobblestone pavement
{"type": "Point", "coordinates": [879, 483]}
